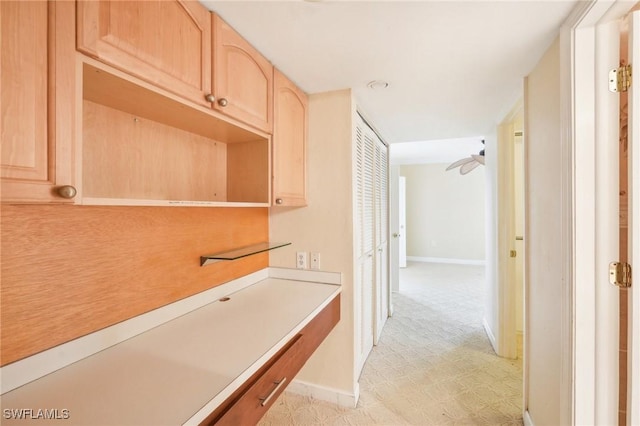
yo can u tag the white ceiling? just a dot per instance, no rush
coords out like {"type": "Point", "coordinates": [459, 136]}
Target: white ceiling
{"type": "Point", "coordinates": [454, 68]}
{"type": "Point", "coordinates": [434, 151]}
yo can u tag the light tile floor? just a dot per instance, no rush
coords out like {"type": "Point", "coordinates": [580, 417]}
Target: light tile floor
{"type": "Point", "coordinates": [433, 365]}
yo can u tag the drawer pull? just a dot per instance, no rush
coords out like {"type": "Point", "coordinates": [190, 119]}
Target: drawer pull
{"type": "Point", "coordinates": [279, 383]}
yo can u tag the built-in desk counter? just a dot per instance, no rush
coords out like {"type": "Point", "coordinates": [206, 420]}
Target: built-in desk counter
{"type": "Point", "coordinates": [185, 369]}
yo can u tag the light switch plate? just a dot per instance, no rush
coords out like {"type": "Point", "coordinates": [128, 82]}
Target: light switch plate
{"type": "Point", "coordinates": [314, 260]}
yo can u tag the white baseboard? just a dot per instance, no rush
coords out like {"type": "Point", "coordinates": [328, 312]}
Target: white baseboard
{"type": "Point", "coordinates": [490, 335]}
{"type": "Point", "coordinates": [527, 419]}
{"type": "Point", "coordinates": [446, 260]}
{"type": "Point", "coordinates": [325, 394]}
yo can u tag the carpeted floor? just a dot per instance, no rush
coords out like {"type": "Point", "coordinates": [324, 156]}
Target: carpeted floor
{"type": "Point", "coordinates": [433, 365]}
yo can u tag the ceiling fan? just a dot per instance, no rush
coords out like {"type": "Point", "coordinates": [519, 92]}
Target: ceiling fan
{"type": "Point", "coordinates": [469, 163]}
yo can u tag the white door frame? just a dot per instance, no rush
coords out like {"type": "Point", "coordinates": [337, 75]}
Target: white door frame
{"type": "Point", "coordinates": [633, 391]}
{"type": "Point", "coordinates": [590, 317]}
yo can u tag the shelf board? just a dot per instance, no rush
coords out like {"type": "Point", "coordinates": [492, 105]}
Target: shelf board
{"type": "Point", "coordinates": [240, 252]}
{"type": "Point", "coordinates": [99, 201]}
{"type": "Point", "coordinates": [115, 89]}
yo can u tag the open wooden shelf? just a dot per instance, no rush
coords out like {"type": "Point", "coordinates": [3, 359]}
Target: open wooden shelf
{"type": "Point", "coordinates": [143, 146]}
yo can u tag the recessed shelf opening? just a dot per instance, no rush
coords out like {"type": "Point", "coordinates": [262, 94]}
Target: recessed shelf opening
{"type": "Point", "coordinates": [143, 147]}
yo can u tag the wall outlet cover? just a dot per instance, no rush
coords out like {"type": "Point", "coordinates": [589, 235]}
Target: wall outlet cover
{"type": "Point", "coordinates": [301, 259]}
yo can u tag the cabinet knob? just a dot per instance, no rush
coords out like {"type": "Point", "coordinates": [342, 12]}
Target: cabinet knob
{"type": "Point", "coordinates": [278, 200]}
{"type": "Point", "coordinates": [223, 102]}
{"type": "Point", "coordinates": [209, 98]}
{"type": "Point", "coordinates": [67, 191]}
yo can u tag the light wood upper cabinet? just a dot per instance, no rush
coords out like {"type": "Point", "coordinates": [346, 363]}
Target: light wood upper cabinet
{"type": "Point", "coordinates": [37, 106]}
{"type": "Point", "coordinates": [167, 43]}
{"type": "Point", "coordinates": [242, 78]}
{"type": "Point", "coordinates": [289, 143]}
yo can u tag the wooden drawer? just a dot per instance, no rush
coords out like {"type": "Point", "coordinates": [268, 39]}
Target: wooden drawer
{"type": "Point", "coordinates": [249, 403]}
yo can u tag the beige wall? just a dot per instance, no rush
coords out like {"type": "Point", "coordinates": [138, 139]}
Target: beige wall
{"type": "Point", "coordinates": [543, 261]}
{"type": "Point", "coordinates": [445, 212]}
{"type": "Point", "coordinates": [326, 226]}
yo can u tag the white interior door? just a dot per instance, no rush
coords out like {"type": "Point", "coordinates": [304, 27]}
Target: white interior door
{"type": "Point", "coordinates": [518, 169]}
{"type": "Point", "coordinates": [402, 222]}
{"type": "Point", "coordinates": [633, 173]}
{"type": "Point", "coordinates": [394, 240]}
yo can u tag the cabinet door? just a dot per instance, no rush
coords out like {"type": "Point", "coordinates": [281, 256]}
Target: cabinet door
{"type": "Point", "coordinates": [167, 43]}
{"type": "Point", "coordinates": [242, 78]}
{"type": "Point", "coordinates": [289, 143]}
{"type": "Point", "coordinates": [37, 107]}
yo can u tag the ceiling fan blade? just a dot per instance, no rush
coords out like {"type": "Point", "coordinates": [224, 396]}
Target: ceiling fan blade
{"type": "Point", "coordinates": [478, 158]}
{"type": "Point", "coordinates": [466, 168]}
{"type": "Point", "coordinates": [460, 163]}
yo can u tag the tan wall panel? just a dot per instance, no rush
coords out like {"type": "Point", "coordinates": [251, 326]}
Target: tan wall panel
{"type": "Point", "coordinates": [69, 270]}
{"type": "Point", "coordinates": [545, 315]}
{"type": "Point", "coordinates": [445, 212]}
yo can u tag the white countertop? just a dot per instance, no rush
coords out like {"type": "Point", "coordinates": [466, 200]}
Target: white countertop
{"type": "Point", "coordinates": [179, 371]}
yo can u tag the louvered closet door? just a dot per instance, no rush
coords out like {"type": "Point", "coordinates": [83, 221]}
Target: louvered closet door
{"type": "Point", "coordinates": [381, 232]}
{"type": "Point", "coordinates": [371, 183]}
{"type": "Point", "coordinates": [369, 226]}
{"type": "Point", "coordinates": [364, 289]}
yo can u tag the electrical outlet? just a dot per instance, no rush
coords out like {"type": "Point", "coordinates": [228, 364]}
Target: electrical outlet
{"type": "Point", "coordinates": [301, 259]}
{"type": "Point", "coordinates": [314, 260]}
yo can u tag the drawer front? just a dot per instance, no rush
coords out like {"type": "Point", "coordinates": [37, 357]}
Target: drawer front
{"type": "Point", "coordinates": [252, 401]}
{"type": "Point", "coordinates": [260, 396]}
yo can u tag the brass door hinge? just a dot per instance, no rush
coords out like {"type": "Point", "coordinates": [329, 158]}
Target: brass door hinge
{"type": "Point", "coordinates": [620, 274]}
{"type": "Point", "coordinates": [620, 79]}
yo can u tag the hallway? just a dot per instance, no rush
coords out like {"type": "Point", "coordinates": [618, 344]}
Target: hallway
{"type": "Point", "coordinates": [433, 366]}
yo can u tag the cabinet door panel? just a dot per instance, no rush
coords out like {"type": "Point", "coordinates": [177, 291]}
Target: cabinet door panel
{"type": "Point", "coordinates": [24, 90]}
{"type": "Point", "coordinates": [289, 143]}
{"type": "Point", "coordinates": [167, 43]}
{"type": "Point", "coordinates": [242, 77]}
{"type": "Point", "coordinates": [37, 109]}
